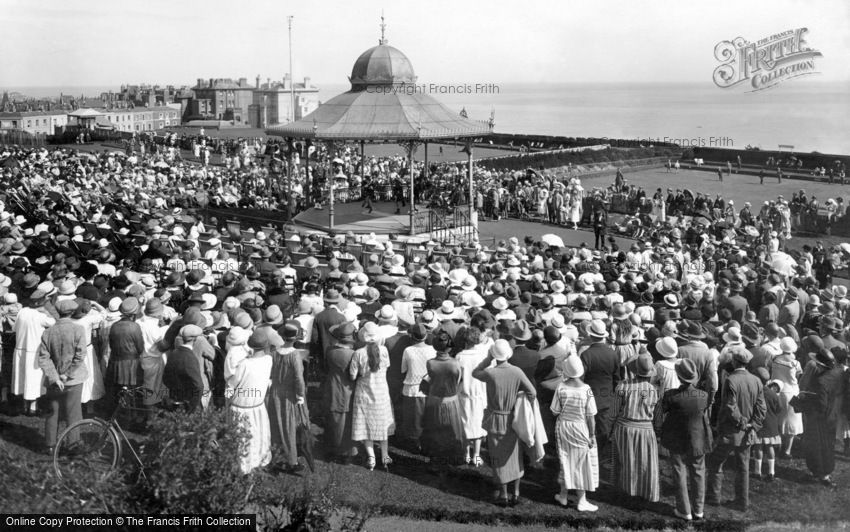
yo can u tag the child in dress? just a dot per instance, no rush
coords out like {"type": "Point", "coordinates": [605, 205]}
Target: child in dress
{"type": "Point", "coordinates": [768, 435]}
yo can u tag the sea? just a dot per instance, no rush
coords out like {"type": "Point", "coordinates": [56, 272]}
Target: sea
{"type": "Point", "coordinates": [801, 115]}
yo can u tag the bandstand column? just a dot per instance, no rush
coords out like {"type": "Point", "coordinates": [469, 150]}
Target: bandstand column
{"type": "Point", "coordinates": [469, 173]}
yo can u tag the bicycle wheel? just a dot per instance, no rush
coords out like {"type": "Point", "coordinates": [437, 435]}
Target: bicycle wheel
{"type": "Point", "coordinates": [89, 447]}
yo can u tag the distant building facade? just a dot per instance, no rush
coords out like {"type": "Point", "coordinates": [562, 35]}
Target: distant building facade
{"type": "Point", "coordinates": [221, 99]}
{"type": "Point", "coordinates": [34, 122]}
{"type": "Point", "coordinates": [272, 102]}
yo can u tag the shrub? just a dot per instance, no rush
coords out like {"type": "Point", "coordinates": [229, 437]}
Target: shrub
{"type": "Point", "coordinates": [29, 486]}
{"type": "Point", "coordinates": [192, 464]}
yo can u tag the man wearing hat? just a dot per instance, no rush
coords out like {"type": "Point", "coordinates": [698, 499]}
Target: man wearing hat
{"type": "Point", "coordinates": [524, 358]}
{"type": "Point", "coordinates": [697, 351]}
{"type": "Point", "coordinates": [736, 303]}
{"type": "Point", "coordinates": [602, 374]}
{"type": "Point", "coordinates": [182, 373]}
{"type": "Point", "coordinates": [789, 314]}
{"type": "Point", "coordinates": [62, 359]}
{"type": "Point", "coordinates": [327, 318]}
{"type": "Point", "coordinates": [26, 374]}
{"type": "Point", "coordinates": [339, 390]}
{"type": "Point", "coordinates": [741, 412]}
{"type": "Point", "coordinates": [686, 434]}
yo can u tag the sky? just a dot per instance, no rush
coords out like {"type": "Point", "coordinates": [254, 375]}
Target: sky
{"type": "Point", "coordinates": [106, 42]}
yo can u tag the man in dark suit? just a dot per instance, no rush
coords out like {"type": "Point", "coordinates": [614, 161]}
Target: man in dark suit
{"type": "Point", "coordinates": [601, 373]}
{"type": "Point", "coordinates": [697, 351]}
{"type": "Point", "coordinates": [741, 412]}
{"type": "Point", "coordinates": [524, 358]}
{"type": "Point", "coordinates": [685, 432]}
{"type": "Point", "coordinates": [182, 374]}
{"type": "Point", "coordinates": [396, 344]}
{"type": "Point", "coordinates": [339, 391]}
{"type": "Point", "coordinates": [736, 303]}
{"type": "Point", "coordinates": [332, 315]}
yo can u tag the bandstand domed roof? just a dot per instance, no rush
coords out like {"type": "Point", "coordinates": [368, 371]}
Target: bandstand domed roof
{"type": "Point", "coordinates": [381, 65]}
{"type": "Point", "coordinates": [397, 110]}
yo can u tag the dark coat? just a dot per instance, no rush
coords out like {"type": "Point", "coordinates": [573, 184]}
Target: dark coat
{"type": "Point", "coordinates": [339, 387]}
{"type": "Point", "coordinates": [323, 323]}
{"type": "Point", "coordinates": [601, 373]}
{"type": "Point", "coordinates": [182, 377]}
{"type": "Point", "coordinates": [683, 421]}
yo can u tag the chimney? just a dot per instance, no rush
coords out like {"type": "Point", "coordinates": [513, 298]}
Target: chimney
{"type": "Point", "coordinates": [211, 82]}
{"type": "Point", "coordinates": [243, 82]}
{"type": "Point", "coordinates": [200, 82]}
{"type": "Point", "coordinates": [258, 81]}
{"type": "Point", "coordinates": [306, 82]}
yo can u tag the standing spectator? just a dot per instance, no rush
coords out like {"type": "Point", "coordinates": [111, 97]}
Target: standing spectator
{"type": "Point", "coordinates": [786, 369]}
{"type": "Point", "coordinates": [182, 375]}
{"type": "Point", "coordinates": [126, 347]}
{"type": "Point", "coordinates": [26, 373]}
{"type": "Point", "coordinates": [768, 435]}
{"type": "Point", "coordinates": [741, 412]}
{"type": "Point", "coordinates": [575, 408]}
{"type": "Point", "coordinates": [287, 396]}
{"type": "Point", "coordinates": [602, 373]}
{"type": "Point", "coordinates": [414, 367]}
{"type": "Point", "coordinates": [372, 413]}
{"type": "Point", "coordinates": [250, 383]}
{"type": "Point", "coordinates": [822, 388]}
{"type": "Point", "coordinates": [635, 449]}
{"type": "Point", "coordinates": [473, 395]}
{"type": "Point", "coordinates": [503, 382]}
{"type": "Point", "coordinates": [339, 389]}
{"type": "Point", "coordinates": [685, 432]}
{"type": "Point", "coordinates": [442, 425]}
{"type": "Point", "coordinates": [61, 357]}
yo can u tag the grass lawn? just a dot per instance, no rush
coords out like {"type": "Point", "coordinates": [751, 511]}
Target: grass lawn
{"type": "Point", "coordinates": [413, 494]}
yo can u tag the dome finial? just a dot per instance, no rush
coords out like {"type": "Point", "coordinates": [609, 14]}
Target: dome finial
{"type": "Point", "coordinates": [383, 27]}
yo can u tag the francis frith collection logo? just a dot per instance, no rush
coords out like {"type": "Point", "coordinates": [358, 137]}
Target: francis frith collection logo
{"type": "Point", "coordinates": [765, 63]}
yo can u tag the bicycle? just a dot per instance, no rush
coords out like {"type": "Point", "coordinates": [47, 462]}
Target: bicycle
{"type": "Point", "coordinates": [94, 445]}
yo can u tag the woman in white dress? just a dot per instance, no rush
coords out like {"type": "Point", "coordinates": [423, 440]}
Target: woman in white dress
{"type": "Point", "coordinates": [90, 315]}
{"type": "Point", "coordinates": [543, 202]}
{"type": "Point", "coordinates": [575, 407]}
{"type": "Point", "coordinates": [575, 205]}
{"type": "Point", "coordinates": [786, 369]}
{"type": "Point", "coordinates": [26, 374]}
{"type": "Point", "coordinates": [250, 384]}
{"type": "Point", "coordinates": [473, 394]}
{"type": "Point", "coordinates": [372, 418]}
{"type": "Point", "coordinates": [659, 209]}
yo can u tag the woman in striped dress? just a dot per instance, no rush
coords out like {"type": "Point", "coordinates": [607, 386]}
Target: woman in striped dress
{"type": "Point", "coordinates": [634, 447]}
{"type": "Point", "coordinates": [575, 407]}
{"type": "Point", "coordinates": [372, 414]}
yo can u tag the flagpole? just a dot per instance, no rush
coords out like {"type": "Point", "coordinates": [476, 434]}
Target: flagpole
{"type": "Point", "coordinates": [291, 74]}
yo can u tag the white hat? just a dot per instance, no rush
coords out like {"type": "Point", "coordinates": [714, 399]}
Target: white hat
{"type": "Point", "coordinates": [571, 367]}
{"type": "Point", "coordinates": [501, 350]}
{"type": "Point", "coordinates": [666, 347]}
{"type": "Point", "coordinates": [500, 303]}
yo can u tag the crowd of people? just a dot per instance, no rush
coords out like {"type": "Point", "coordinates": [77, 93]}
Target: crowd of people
{"type": "Point", "coordinates": [686, 346]}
